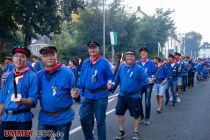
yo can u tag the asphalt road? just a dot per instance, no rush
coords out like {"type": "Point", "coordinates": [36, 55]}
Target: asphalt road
{"type": "Point", "coordinates": [189, 120]}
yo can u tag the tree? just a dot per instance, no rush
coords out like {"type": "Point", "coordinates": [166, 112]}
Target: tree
{"type": "Point", "coordinates": [191, 42]}
{"type": "Point", "coordinates": [155, 29]}
{"type": "Point", "coordinates": [32, 17]}
{"type": "Point", "coordinates": [89, 25]}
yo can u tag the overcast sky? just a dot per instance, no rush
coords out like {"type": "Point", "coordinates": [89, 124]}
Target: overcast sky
{"type": "Point", "coordinates": [189, 15]}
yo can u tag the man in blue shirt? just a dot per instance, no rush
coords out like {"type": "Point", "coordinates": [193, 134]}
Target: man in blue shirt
{"type": "Point", "coordinates": [160, 82]}
{"type": "Point", "coordinates": [7, 64]}
{"type": "Point", "coordinates": [191, 72]}
{"type": "Point", "coordinates": [172, 68]}
{"type": "Point", "coordinates": [72, 66]}
{"type": "Point", "coordinates": [150, 69]}
{"type": "Point", "coordinates": [94, 76]}
{"type": "Point", "coordinates": [55, 84]}
{"type": "Point", "coordinates": [130, 76]}
{"type": "Point", "coordinates": [18, 96]}
{"type": "Point", "coordinates": [37, 65]}
{"type": "Point", "coordinates": [180, 75]}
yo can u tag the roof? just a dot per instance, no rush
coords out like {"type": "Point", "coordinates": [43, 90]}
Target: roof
{"type": "Point", "coordinates": [205, 45]}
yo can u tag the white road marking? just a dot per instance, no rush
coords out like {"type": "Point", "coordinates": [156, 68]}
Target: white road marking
{"type": "Point", "coordinates": [115, 95]}
{"type": "Point", "coordinates": [75, 130]}
{"type": "Point", "coordinates": [107, 113]}
{"type": "Point", "coordinates": [110, 100]}
{"type": "Point", "coordinates": [110, 111]}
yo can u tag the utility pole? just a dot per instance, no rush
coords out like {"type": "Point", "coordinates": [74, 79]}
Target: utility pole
{"type": "Point", "coordinates": [104, 21]}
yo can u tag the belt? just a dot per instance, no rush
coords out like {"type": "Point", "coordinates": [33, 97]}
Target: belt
{"type": "Point", "coordinates": [93, 91]}
{"type": "Point", "coordinates": [14, 112]}
{"type": "Point", "coordinates": [171, 77]}
{"type": "Point", "coordinates": [130, 93]}
{"type": "Point", "coordinates": [57, 112]}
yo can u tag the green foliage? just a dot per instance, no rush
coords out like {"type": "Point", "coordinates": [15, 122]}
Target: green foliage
{"type": "Point", "coordinates": [192, 42]}
{"type": "Point", "coordinates": [32, 17]}
{"type": "Point", "coordinates": [154, 29]}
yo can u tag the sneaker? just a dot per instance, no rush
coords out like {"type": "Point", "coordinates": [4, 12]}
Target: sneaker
{"type": "Point", "coordinates": [166, 103]}
{"type": "Point", "coordinates": [178, 99]}
{"type": "Point", "coordinates": [147, 122]}
{"type": "Point", "coordinates": [120, 136]}
{"type": "Point", "coordinates": [135, 136]}
{"type": "Point", "coordinates": [174, 104]}
{"type": "Point", "coordinates": [141, 121]}
{"type": "Point", "coordinates": [171, 99]}
{"type": "Point", "coordinates": [159, 110]}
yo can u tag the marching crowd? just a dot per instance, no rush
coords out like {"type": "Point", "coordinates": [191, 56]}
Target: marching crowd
{"type": "Point", "coordinates": [57, 87]}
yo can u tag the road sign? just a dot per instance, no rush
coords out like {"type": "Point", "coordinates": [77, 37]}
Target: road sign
{"type": "Point", "coordinates": [113, 38]}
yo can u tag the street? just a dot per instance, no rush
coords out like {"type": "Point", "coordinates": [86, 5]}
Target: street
{"type": "Point", "coordinates": [189, 120]}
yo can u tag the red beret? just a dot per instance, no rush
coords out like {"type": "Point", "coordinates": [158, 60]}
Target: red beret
{"type": "Point", "coordinates": [144, 49]}
{"type": "Point", "coordinates": [179, 54]}
{"type": "Point", "coordinates": [22, 50]}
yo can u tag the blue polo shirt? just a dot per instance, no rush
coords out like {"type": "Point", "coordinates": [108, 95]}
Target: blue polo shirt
{"type": "Point", "coordinates": [131, 79]}
{"type": "Point", "coordinates": [94, 77]}
{"type": "Point", "coordinates": [37, 66]}
{"type": "Point", "coordinates": [162, 74]}
{"type": "Point", "coordinates": [55, 95]}
{"type": "Point", "coordinates": [27, 87]}
{"type": "Point", "coordinates": [149, 67]}
{"type": "Point", "coordinates": [172, 70]}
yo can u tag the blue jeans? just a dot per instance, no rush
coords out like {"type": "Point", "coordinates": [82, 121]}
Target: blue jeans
{"type": "Point", "coordinates": [62, 131]}
{"type": "Point", "coordinates": [171, 83]}
{"type": "Point", "coordinates": [88, 108]}
{"type": "Point", "coordinates": [148, 91]}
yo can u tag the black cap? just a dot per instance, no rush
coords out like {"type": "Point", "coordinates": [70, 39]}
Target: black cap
{"type": "Point", "coordinates": [93, 44]}
{"type": "Point", "coordinates": [48, 49]}
{"type": "Point", "coordinates": [22, 50]}
{"type": "Point", "coordinates": [176, 53]}
{"type": "Point", "coordinates": [130, 52]}
{"type": "Point", "coordinates": [171, 55]}
{"type": "Point", "coordinates": [144, 49]}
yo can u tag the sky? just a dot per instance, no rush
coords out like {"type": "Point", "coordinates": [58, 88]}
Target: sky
{"type": "Point", "coordinates": [189, 15]}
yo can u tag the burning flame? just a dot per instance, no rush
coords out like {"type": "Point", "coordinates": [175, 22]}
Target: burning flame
{"type": "Point", "coordinates": [17, 79]}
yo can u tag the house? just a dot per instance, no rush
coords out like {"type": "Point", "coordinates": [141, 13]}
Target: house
{"type": "Point", "coordinates": [204, 50]}
{"type": "Point", "coordinates": [172, 45]}
{"type": "Point", "coordinates": [38, 43]}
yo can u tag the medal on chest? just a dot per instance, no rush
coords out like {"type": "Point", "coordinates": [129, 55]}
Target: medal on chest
{"type": "Point", "coordinates": [54, 90]}
{"type": "Point", "coordinates": [145, 70]}
{"type": "Point", "coordinates": [130, 73]}
{"type": "Point", "coordinates": [93, 78]}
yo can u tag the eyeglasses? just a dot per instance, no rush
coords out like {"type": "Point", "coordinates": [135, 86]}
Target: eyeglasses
{"type": "Point", "coordinates": [19, 56]}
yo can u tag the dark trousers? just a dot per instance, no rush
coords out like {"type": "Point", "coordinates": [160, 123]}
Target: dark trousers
{"type": "Point", "coordinates": [184, 83]}
{"type": "Point", "coordinates": [14, 126]}
{"type": "Point", "coordinates": [148, 91]}
{"type": "Point", "coordinates": [191, 76]}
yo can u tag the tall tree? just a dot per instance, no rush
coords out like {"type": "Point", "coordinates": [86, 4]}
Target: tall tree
{"type": "Point", "coordinates": [33, 17]}
{"type": "Point", "coordinates": [191, 42]}
{"type": "Point", "coordinates": [155, 29]}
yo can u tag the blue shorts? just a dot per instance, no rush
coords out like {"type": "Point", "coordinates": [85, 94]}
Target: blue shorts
{"type": "Point", "coordinates": [132, 104]}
